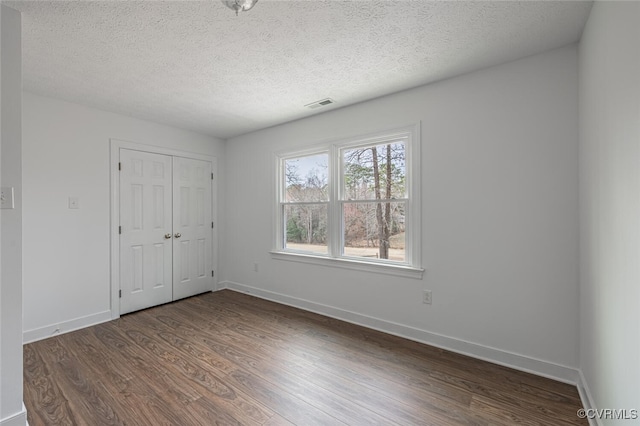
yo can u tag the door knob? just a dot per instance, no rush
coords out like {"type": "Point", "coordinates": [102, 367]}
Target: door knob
{"type": "Point", "coordinates": [178, 235]}
{"type": "Point", "coordinates": [167, 236]}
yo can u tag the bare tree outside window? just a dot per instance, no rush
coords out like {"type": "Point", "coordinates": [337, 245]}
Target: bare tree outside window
{"type": "Point", "coordinates": [305, 208]}
{"type": "Point", "coordinates": [375, 174]}
{"type": "Point", "coordinates": [355, 200]}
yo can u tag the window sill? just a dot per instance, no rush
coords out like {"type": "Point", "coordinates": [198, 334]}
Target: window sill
{"type": "Point", "coordinates": [377, 268]}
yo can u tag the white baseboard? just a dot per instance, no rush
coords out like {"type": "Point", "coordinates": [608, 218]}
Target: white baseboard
{"type": "Point", "coordinates": [587, 399]}
{"type": "Point", "coordinates": [65, 327]}
{"type": "Point", "coordinates": [497, 356]}
{"type": "Point", "coordinates": [18, 419]}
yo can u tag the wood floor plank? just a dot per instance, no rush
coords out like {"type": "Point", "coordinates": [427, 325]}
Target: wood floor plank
{"type": "Point", "coordinates": [285, 372]}
{"type": "Point", "coordinates": [148, 370]}
{"type": "Point", "coordinates": [41, 386]}
{"type": "Point", "coordinates": [86, 397]}
{"type": "Point", "coordinates": [283, 402]}
{"type": "Point", "coordinates": [145, 399]}
{"type": "Point", "coordinates": [227, 358]}
{"type": "Point", "coordinates": [459, 374]}
{"type": "Point", "coordinates": [211, 385]}
{"type": "Point", "coordinates": [384, 405]}
{"type": "Point", "coordinates": [279, 421]}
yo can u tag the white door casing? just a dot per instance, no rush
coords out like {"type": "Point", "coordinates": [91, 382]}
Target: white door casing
{"type": "Point", "coordinates": [145, 223]}
{"type": "Point", "coordinates": [192, 227]}
{"type": "Point", "coordinates": [165, 230]}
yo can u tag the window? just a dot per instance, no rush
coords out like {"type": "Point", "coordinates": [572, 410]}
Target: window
{"type": "Point", "coordinates": [373, 200]}
{"type": "Point", "coordinates": [306, 202]}
{"type": "Point", "coordinates": [354, 201]}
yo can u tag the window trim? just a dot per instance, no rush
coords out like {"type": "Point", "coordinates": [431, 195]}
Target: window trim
{"type": "Point", "coordinates": [411, 267]}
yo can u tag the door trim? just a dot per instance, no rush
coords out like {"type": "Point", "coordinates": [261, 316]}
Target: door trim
{"type": "Point", "coordinates": [114, 146]}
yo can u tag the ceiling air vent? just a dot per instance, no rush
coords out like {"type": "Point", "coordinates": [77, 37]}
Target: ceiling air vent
{"type": "Point", "coordinates": [321, 103]}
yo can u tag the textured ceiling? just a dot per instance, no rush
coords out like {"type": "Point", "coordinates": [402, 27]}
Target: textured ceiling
{"type": "Point", "coordinates": [195, 65]}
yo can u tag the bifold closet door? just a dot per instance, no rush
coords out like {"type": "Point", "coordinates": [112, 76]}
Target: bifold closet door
{"type": "Point", "coordinates": [192, 227]}
{"type": "Point", "coordinates": [146, 237]}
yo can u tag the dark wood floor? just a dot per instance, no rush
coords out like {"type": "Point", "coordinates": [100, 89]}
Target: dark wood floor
{"type": "Point", "coordinates": [228, 358]}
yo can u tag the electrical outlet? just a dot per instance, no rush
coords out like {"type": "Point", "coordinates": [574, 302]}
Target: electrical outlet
{"type": "Point", "coordinates": [426, 297]}
{"type": "Point", "coordinates": [6, 198]}
{"type": "Point", "coordinates": [255, 266]}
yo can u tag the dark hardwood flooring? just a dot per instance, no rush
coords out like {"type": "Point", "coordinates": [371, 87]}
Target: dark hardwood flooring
{"type": "Point", "coordinates": [227, 358]}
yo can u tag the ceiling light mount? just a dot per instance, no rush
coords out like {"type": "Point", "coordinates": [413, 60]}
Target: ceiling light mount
{"type": "Point", "coordinates": [239, 5]}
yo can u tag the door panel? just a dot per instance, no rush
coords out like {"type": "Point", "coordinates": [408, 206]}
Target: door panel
{"type": "Point", "coordinates": [145, 219]}
{"type": "Point", "coordinates": [192, 222]}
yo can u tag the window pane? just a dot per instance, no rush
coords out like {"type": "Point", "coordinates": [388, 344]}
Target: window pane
{"type": "Point", "coordinates": [374, 172]}
{"type": "Point", "coordinates": [306, 227]}
{"type": "Point", "coordinates": [306, 178]}
{"type": "Point", "coordinates": [375, 230]}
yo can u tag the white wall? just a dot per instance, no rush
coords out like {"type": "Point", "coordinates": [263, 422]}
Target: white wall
{"type": "Point", "coordinates": [11, 409]}
{"type": "Point", "coordinates": [66, 252]}
{"type": "Point", "coordinates": [610, 206]}
{"type": "Point", "coordinates": [500, 233]}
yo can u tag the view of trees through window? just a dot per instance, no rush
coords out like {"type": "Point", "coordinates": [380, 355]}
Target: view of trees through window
{"type": "Point", "coordinates": [373, 201]}
{"type": "Point", "coordinates": [306, 198]}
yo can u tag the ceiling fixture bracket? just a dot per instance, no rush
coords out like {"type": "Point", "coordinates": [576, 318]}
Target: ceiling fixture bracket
{"type": "Point", "coordinates": [240, 5]}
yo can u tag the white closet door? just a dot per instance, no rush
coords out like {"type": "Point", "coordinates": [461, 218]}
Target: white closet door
{"type": "Point", "coordinates": [146, 230]}
{"type": "Point", "coordinates": [192, 242]}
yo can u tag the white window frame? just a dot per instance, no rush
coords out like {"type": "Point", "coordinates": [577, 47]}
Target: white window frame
{"type": "Point", "coordinates": [411, 267]}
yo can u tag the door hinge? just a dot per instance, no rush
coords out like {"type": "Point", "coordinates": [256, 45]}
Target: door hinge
{"type": "Point", "coordinates": [119, 166]}
{"type": "Point", "coordinates": [212, 274]}
{"type": "Point", "coordinates": [211, 225]}
{"type": "Point", "coordinates": [119, 229]}
{"type": "Point", "coordinates": [119, 293]}
{"type": "Point", "coordinates": [211, 175]}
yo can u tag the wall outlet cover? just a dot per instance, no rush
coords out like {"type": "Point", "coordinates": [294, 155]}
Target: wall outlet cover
{"type": "Point", "coordinates": [74, 203]}
{"type": "Point", "coordinates": [7, 200]}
